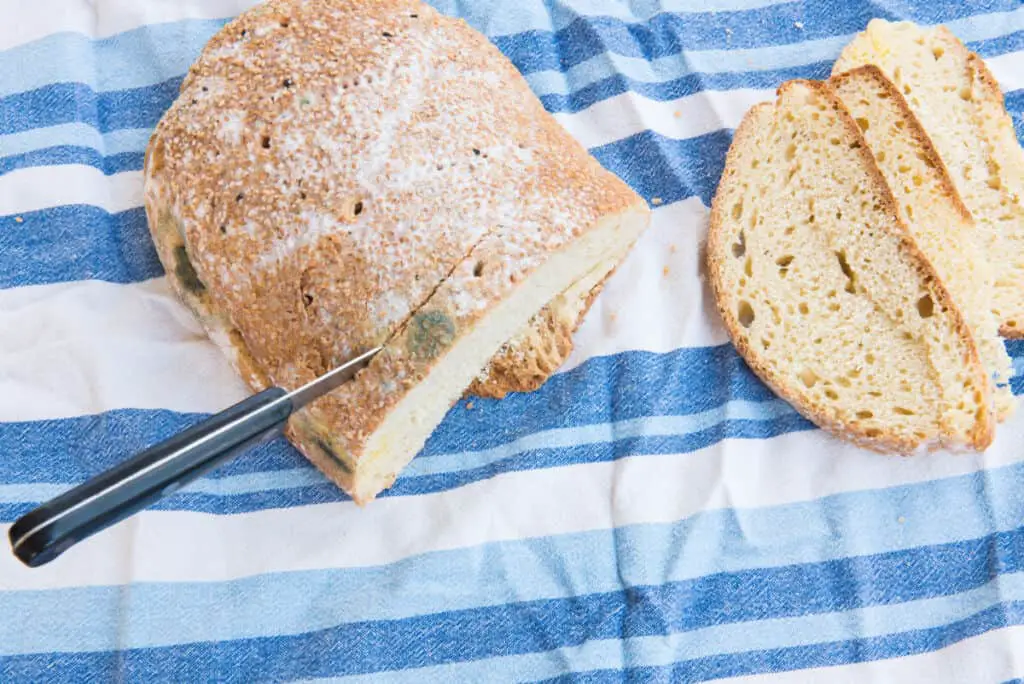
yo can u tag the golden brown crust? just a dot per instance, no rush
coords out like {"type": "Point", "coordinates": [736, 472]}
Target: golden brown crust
{"type": "Point", "coordinates": [323, 194]}
{"type": "Point", "coordinates": [525, 364]}
{"type": "Point", "coordinates": [981, 436]}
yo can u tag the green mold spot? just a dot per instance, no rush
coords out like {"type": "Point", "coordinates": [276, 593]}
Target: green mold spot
{"type": "Point", "coordinates": [185, 272]}
{"type": "Point", "coordinates": [430, 333]}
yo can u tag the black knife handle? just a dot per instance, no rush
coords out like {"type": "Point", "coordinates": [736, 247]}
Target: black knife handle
{"type": "Point", "coordinates": [44, 533]}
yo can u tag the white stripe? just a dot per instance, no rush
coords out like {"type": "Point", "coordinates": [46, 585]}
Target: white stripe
{"type": "Point", "coordinates": [72, 349]}
{"type": "Point", "coordinates": [42, 187]}
{"type": "Point", "coordinates": [687, 117]}
{"type": "Point", "coordinates": [186, 546]}
{"type": "Point", "coordinates": [667, 260]}
{"type": "Point", "coordinates": [101, 18]}
{"type": "Point", "coordinates": [81, 348]}
{"type": "Point", "coordinates": [990, 657]}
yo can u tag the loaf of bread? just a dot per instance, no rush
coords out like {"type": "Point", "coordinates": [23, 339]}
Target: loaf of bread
{"type": "Point", "coordinates": [350, 173]}
{"type": "Point", "coordinates": [825, 292]}
{"type": "Point", "coordinates": [960, 106]}
{"type": "Point", "coordinates": [931, 209]}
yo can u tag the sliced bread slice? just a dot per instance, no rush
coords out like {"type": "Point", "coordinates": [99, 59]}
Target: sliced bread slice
{"type": "Point", "coordinates": [961, 108]}
{"type": "Point", "coordinates": [824, 291]}
{"type": "Point", "coordinates": [931, 209]}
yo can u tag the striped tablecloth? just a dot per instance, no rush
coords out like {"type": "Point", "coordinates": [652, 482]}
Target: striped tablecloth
{"type": "Point", "coordinates": [652, 514]}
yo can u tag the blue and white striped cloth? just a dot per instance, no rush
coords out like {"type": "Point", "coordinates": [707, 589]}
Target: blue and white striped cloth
{"type": "Point", "coordinates": [652, 514]}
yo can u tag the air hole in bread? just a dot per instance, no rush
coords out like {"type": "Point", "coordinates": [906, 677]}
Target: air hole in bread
{"type": "Point", "coordinates": [784, 261]}
{"type": "Point", "coordinates": [994, 182]}
{"type": "Point", "coordinates": [880, 156]}
{"type": "Point", "coordinates": [903, 411]}
{"type": "Point", "coordinates": [808, 377]}
{"type": "Point", "coordinates": [926, 306]}
{"type": "Point", "coordinates": [239, 197]}
{"type": "Point", "coordinates": [307, 299]}
{"type": "Point", "coordinates": [478, 269]}
{"type": "Point", "coordinates": [790, 151]}
{"type": "Point", "coordinates": [966, 94]}
{"type": "Point", "coordinates": [869, 359]}
{"type": "Point", "coordinates": [834, 141]}
{"type": "Point", "coordinates": [737, 210]}
{"type": "Point", "coordinates": [387, 34]}
{"type": "Point", "coordinates": [863, 123]}
{"type": "Point", "coordinates": [285, 22]}
{"type": "Point", "coordinates": [803, 308]}
{"type": "Point", "coordinates": [223, 229]}
{"type": "Point", "coordinates": [910, 212]}
{"type": "Point", "coordinates": [748, 268]}
{"type": "Point", "coordinates": [851, 277]}
{"type": "Point", "coordinates": [843, 382]}
{"type": "Point", "coordinates": [865, 415]}
{"type": "Point", "coordinates": [740, 248]}
{"type": "Point", "coordinates": [831, 394]}
{"type": "Point", "coordinates": [357, 208]}
{"type": "Point", "coordinates": [745, 313]}
{"type": "Point", "coordinates": [265, 142]}
{"type": "Point", "coordinates": [287, 83]}
{"type": "Point", "coordinates": [873, 433]}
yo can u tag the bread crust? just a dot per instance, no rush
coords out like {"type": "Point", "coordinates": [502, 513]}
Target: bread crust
{"type": "Point", "coordinates": [252, 244]}
{"type": "Point", "coordinates": [982, 434]}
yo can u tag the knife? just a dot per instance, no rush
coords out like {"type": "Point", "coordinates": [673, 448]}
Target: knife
{"type": "Point", "coordinates": [45, 532]}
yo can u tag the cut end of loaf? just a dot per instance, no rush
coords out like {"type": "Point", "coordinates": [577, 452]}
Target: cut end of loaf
{"type": "Point", "coordinates": [825, 293]}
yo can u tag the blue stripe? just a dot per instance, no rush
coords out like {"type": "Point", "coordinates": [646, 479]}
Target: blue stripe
{"type": "Point", "coordinates": [69, 243]}
{"type": "Point", "coordinates": [795, 535]}
{"type": "Point", "coordinates": [545, 625]}
{"type": "Point", "coordinates": [63, 103]}
{"type": "Point", "coordinates": [815, 655]}
{"type": "Point", "coordinates": [76, 242]}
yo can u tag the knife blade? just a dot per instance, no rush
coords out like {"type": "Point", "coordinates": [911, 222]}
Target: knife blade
{"type": "Point", "coordinates": [49, 530]}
